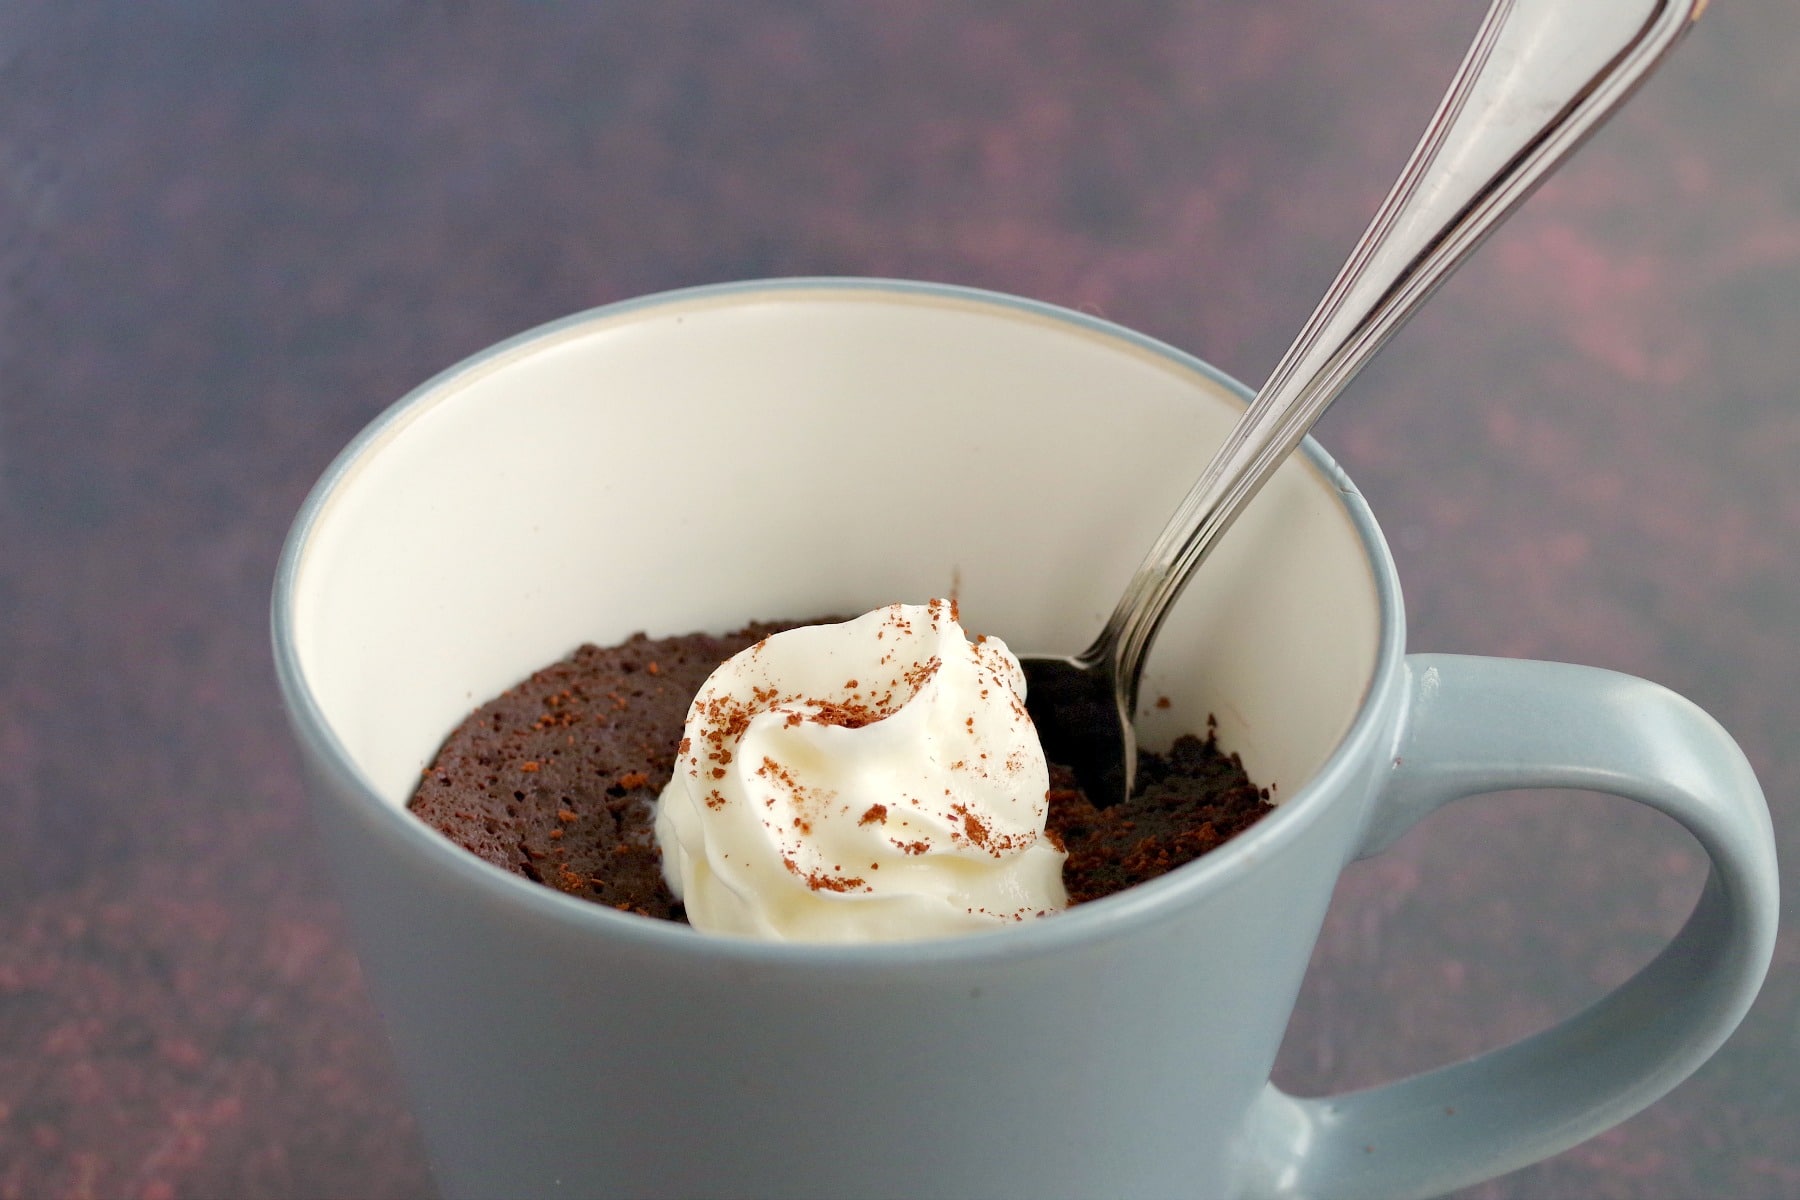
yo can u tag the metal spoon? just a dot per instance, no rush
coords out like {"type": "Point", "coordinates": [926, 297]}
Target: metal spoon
{"type": "Point", "coordinates": [1541, 75]}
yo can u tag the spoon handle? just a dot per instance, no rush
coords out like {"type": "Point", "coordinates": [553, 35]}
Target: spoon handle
{"type": "Point", "coordinates": [1541, 75]}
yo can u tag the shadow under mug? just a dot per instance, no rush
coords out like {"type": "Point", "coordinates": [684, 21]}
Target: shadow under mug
{"type": "Point", "coordinates": [784, 449]}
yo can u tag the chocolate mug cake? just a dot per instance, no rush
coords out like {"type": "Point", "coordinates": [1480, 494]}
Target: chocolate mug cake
{"type": "Point", "coordinates": [558, 778]}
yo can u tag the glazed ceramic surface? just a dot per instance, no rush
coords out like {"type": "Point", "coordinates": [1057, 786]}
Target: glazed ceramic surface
{"type": "Point", "coordinates": [703, 458]}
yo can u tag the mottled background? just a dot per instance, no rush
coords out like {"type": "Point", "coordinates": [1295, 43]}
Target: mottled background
{"type": "Point", "coordinates": [231, 233]}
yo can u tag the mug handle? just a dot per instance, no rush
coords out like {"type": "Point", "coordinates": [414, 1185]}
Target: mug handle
{"type": "Point", "coordinates": [1477, 725]}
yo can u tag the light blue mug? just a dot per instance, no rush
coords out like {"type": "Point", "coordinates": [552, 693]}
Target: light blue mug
{"type": "Point", "coordinates": [786, 449]}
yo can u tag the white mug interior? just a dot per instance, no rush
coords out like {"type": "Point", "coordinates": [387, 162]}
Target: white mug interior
{"type": "Point", "coordinates": [787, 450]}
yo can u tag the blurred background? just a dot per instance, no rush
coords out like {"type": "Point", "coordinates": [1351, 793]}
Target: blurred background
{"type": "Point", "coordinates": [231, 234]}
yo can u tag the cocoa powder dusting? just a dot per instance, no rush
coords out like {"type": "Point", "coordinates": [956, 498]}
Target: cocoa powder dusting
{"type": "Point", "coordinates": [848, 714]}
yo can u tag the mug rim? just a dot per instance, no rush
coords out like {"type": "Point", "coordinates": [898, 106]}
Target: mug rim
{"type": "Point", "coordinates": [1114, 915]}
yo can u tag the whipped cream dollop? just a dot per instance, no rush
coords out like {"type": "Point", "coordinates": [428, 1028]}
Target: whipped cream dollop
{"type": "Point", "coordinates": [874, 780]}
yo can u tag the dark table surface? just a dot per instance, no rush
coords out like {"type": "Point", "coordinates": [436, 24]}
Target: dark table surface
{"type": "Point", "coordinates": [230, 234]}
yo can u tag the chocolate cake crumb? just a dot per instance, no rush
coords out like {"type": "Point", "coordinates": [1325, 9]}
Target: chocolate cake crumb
{"type": "Point", "coordinates": [557, 780]}
{"type": "Point", "coordinates": [1188, 801]}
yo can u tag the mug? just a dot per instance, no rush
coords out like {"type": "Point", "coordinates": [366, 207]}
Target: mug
{"type": "Point", "coordinates": [784, 449]}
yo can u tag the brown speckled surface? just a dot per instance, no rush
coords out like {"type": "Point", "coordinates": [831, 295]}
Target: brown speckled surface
{"type": "Point", "coordinates": [230, 234]}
